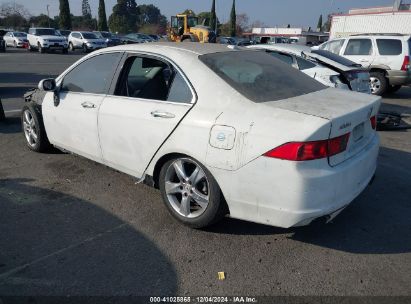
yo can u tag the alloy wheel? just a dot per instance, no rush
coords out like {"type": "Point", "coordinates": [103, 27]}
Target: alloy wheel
{"type": "Point", "coordinates": [187, 188]}
{"type": "Point", "coordinates": [375, 84]}
{"type": "Point", "coordinates": [30, 128]}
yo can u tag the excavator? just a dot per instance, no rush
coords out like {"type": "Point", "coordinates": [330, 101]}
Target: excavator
{"type": "Point", "coordinates": [185, 28]}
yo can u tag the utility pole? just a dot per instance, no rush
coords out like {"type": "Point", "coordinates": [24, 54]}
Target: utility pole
{"type": "Point", "coordinates": [48, 14]}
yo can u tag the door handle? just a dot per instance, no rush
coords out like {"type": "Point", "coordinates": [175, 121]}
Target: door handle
{"type": "Point", "coordinates": [161, 114]}
{"type": "Point", "coordinates": [88, 105]}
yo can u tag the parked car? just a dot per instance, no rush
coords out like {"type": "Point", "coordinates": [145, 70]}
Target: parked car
{"type": "Point", "coordinates": [266, 144]}
{"type": "Point", "coordinates": [46, 39]}
{"type": "Point", "coordinates": [64, 33]}
{"type": "Point", "coordinates": [15, 39]}
{"type": "Point", "coordinates": [226, 40]}
{"type": "Point", "coordinates": [155, 37]}
{"type": "Point", "coordinates": [85, 41]}
{"type": "Point", "coordinates": [329, 69]}
{"type": "Point", "coordinates": [110, 38]}
{"type": "Point", "coordinates": [2, 42]}
{"type": "Point", "coordinates": [132, 38]}
{"type": "Point", "coordinates": [387, 56]}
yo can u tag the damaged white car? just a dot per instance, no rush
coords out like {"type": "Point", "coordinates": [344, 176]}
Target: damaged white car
{"type": "Point", "coordinates": [221, 132]}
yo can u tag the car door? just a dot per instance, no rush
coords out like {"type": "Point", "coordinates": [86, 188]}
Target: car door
{"type": "Point", "coordinates": [149, 100]}
{"type": "Point", "coordinates": [8, 38]}
{"type": "Point", "coordinates": [360, 50]}
{"type": "Point", "coordinates": [71, 118]}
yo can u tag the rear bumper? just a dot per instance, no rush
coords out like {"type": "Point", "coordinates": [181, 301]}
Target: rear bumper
{"type": "Point", "coordinates": [396, 77]}
{"type": "Point", "coordinates": [285, 194]}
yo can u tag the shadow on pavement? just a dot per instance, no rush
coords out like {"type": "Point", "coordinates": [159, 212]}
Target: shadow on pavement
{"type": "Point", "coordinates": [377, 222]}
{"type": "Point", "coordinates": [55, 244]}
{"type": "Point", "coordinates": [10, 125]}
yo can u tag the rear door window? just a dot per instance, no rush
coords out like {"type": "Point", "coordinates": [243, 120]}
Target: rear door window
{"type": "Point", "coordinates": [389, 47]}
{"type": "Point", "coordinates": [260, 77]}
{"type": "Point", "coordinates": [358, 47]}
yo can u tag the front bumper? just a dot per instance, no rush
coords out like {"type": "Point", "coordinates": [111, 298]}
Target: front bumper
{"type": "Point", "coordinates": [396, 77]}
{"type": "Point", "coordinates": [96, 47]}
{"type": "Point", "coordinates": [55, 46]}
{"type": "Point", "coordinates": [285, 194]}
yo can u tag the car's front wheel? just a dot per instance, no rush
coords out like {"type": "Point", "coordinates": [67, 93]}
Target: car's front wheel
{"type": "Point", "coordinates": [40, 48]}
{"type": "Point", "coordinates": [191, 193]}
{"type": "Point", "coordinates": [33, 129]}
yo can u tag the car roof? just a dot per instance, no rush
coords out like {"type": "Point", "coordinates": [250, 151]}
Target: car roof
{"type": "Point", "coordinates": [386, 36]}
{"type": "Point", "coordinates": [194, 48]}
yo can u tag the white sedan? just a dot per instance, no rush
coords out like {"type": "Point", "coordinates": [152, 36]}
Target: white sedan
{"type": "Point", "coordinates": [219, 131]}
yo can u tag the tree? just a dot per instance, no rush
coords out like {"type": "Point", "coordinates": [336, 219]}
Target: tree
{"type": "Point", "coordinates": [42, 21]}
{"type": "Point", "coordinates": [86, 9]}
{"type": "Point", "coordinates": [8, 9]}
{"type": "Point", "coordinates": [289, 25]}
{"type": "Point", "coordinates": [189, 12]}
{"type": "Point", "coordinates": [124, 18]}
{"type": "Point", "coordinates": [327, 25]}
{"type": "Point", "coordinates": [242, 23]}
{"type": "Point", "coordinates": [233, 22]}
{"type": "Point", "coordinates": [213, 17]}
{"type": "Point", "coordinates": [102, 18]}
{"type": "Point", "coordinates": [320, 23]}
{"type": "Point", "coordinates": [65, 17]}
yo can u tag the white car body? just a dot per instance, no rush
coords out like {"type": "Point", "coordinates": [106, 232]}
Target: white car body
{"type": "Point", "coordinates": [88, 40]}
{"type": "Point", "coordinates": [15, 39]}
{"type": "Point", "coordinates": [228, 134]}
{"type": "Point", "coordinates": [51, 41]}
{"type": "Point", "coordinates": [328, 75]}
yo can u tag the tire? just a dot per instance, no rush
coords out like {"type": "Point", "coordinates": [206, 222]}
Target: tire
{"type": "Point", "coordinates": [41, 49]}
{"type": "Point", "coordinates": [194, 184]}
{"type": "Point", "coordinates": [29, 48]}
{"type": "Point", "coordinates": [32, 123]}
{"type": "Point", "coordinates": [14, 44]}
{"type": "Point", "coordinates": [393, 89]}
{"type": "Point", "coordinates": [379, 83]}
{"type": "Point", "coordinates": [85, 48]}
{"type": "Point", "coordinates": [71, 47]}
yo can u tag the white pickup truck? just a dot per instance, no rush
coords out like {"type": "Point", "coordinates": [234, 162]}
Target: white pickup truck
{"type": "Point", "coordinates": [46, 39]}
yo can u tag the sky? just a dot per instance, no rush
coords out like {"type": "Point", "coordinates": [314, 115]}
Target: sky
{"type": "Point", "coordinates": [298, 13]}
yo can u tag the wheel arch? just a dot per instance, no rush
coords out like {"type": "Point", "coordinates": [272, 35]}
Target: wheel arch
{"type": "Point", "coordinates": [165, 158]}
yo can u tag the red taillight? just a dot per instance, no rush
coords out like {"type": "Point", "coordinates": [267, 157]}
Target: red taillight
{"type": "Point", "coordinates": [301, 151]}
{"type": "Point", "coordinates": [406, 64]}
{"type": "Point", "coordinates": [373, 121]}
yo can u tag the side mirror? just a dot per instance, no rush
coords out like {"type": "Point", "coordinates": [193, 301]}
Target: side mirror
{"type": "Point", "coordinates": [315, 48]}
{"type": "Point", "coordinates": [48, 85]}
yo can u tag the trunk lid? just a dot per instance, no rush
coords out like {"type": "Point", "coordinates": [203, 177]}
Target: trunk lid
{"type": "Point", "coordinates": [348, 112]}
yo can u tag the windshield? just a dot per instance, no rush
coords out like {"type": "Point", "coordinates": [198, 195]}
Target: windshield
{"type": "Point", "coordinates": [46, 32]}
{"type": "Point", "coordinates": [192, 21]}
{"type": "Point", "coordinates": [18, 34]}
{"type": "Point", "coordinates": [89, 36]}
{"type": "Point", "coordinates": [260, 77]}
{"type": "Point", "coordinates": [337, 58]}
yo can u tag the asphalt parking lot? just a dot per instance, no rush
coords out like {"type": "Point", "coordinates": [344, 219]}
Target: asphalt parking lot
{"type": "Point", "coordinates": [69, 226]}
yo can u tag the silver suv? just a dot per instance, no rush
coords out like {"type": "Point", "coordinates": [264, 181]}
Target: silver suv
{"type": "Point", "coordinates": [86, 41]}
{"type": "Point", "coordinates": [387, 56]}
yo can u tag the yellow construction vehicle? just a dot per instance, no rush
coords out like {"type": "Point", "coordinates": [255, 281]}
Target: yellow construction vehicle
{"type": "Point", "coordinates": [185, 28]}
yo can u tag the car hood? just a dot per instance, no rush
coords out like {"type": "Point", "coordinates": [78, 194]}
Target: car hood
{"type": "Point", "coordinates": [95, 40]}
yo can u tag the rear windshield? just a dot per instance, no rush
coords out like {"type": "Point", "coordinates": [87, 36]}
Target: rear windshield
{"type": "Point", "coordinates": [337, 58]}
{"type": "Point", "coordinates": [389, 46]}
{"type": "Point", "coordinates": [260, 77]}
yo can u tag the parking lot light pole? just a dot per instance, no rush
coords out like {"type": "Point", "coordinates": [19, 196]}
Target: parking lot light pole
{"type": "Point", "coordinates": [48, 15]}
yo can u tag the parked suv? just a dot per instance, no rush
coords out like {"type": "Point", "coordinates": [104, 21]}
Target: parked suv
{"type": "Point", "coordinates": [387, 56]}
{"type": "Point", "coordinates": [86, 41]}
{"type": "Point", "coordinates": [46, 39]}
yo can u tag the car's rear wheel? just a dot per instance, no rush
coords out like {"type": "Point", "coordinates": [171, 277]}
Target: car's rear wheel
{"type": "Point", "coordinates": [378, 83]}
{"type": "Point", "coordinates": [33, 129]}
{"type": "Point", "coordinates": [190, 193]}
